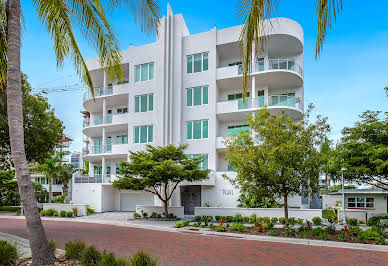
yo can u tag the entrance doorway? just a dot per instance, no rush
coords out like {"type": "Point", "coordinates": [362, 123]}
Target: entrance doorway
{"type": "Point", "coordinates": [190, 198]}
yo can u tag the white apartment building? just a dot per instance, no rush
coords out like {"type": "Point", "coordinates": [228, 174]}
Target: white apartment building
{"type": "Point", "coordinates": [184, 88]}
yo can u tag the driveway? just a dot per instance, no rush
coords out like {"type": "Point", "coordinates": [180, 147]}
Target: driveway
{"type": "Point", "coordinates": [174, 248]}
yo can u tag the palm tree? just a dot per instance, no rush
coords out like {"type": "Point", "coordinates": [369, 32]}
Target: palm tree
{"type": "Point", "coordinates": [254, 12]}
{"type": "Point", "coordinates": [50, 168]}
{"type": "Point", "coordinates": [65, 174]}
{"type": "Point", "coordinates": [60, 18]}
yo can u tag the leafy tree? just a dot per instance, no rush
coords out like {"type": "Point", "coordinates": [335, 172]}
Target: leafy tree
{"type": "Point", "coordinates": [9, 194]}
{"type": "Point", "coordinates": [254, 12]}
{"type": "Point", "coordinates": [363, 150]}
{"type": "Point", "coordinates": [286, 160]}
{"type": "Point", "coordinates": [250, 200]}
{"type": "Point", "coordinates": [61, 19]}
{"type": "Point", "coordinates": [42, 129]}
{"type": "Point", "coordinates": [327, 157]}
{"type": "Point", "coordinates": [159, 170]}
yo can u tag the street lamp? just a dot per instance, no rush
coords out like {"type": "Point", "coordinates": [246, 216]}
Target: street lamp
{"type": "Point", "coordinates": [343, 196]}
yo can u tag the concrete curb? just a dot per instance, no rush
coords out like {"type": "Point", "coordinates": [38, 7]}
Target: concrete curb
{"type": "Point", "coordinates": [309, 242]}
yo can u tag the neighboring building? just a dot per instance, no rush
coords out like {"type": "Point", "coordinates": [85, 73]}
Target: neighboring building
{"type": "Point", "coordinates": [56, 184]}
{"type": "Point", "coordinates": [369, 202]}
{"type": "Point", "coordinates": [75, 160]}
{"type": "Point", "coordinates": [184, 88]}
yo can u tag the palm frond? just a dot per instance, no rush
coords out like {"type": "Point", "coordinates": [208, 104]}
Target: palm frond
{"type": "Point", "coordinates": [253, 14]}
{"type": "Point", "coordinates": [56, 16]}
{"type": "Point", "coordinates": [90, 19]}
{"type": "Point", "coordinates": [326, 11]}
{"type": "Point", "coordinates": [146, 13]}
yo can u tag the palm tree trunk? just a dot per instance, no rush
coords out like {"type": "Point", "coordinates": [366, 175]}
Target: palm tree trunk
{"type": "Point", "coordinates": [326, 185]}
{"type": "Point", "coordinates": [286, 208]}
{"type": "Point", "coordinates": [41, 253]}
{"type": "Point", "coordinates": [50, 190]}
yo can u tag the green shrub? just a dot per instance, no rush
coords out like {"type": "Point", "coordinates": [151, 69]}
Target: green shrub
{"type": "Point", "coordinates": [90, 209]}
{"type": "Point", "coordinates": [229, 219]}
{"type": "Point", "coordinates": [221, 228]}
{"type": "Point", "coordinates": [342, 237]}
{"type": "Point", "coordinates": [289, 231]}
{"type": "Point", "coordinates": [141, 258]}
{"type": "Point", "coordinates": [238, 218]}
{"type": "Point", "coordinates": [282, 220]}
{"type": "Point", "coordinates": [239, 227]}
{"type": "Point", "coordinates": [110, 259]}
{"type": "Point", "coordinates": [299, 221]}
{"type": "Point", "coordinates": [50, 212]}
{"type": "Point", "coordinates": [75, 211]}
{"type": "Point", "coordinates": [136, 215]}
{"type": "Point", "coordinates": [352, 221]}
{"type": "Point", "coordinates": [266, 219]}
{"type": "Point", "coordinates": [181, 224]}
{"type": "Point", "coordinates": [355, 230]}
{"type": "Point", "coordinates": [197, 219]}
{"type": "Point", "coordinates": [43, 212]}
{"type": "Point", "coordinates": [171, 216]}
{"type": "Point", "coordinates": [259, 219]}
{"type": "Point", "coordinates": [305, 234]}
{"type": "Point", "coordinates": [274, 220]}
{"type": "Point", "coordinates": [319, 232]}
{"type": "Point", "coordinates": [330, 215]}
{"type": "Point", "coordinates": [90, 256]}
{"type": "Point", "coordinates": [154, 215]}
{"type": "Point", "coordinates": [371, 234]}
{"type": "Point", "coordinates": [268, 225]}
{"type": "Point", "coordinates": [59, 199]}
{"type": "Point", "coordinates": [317, 220]}
{"type": "Point", "coordinates": [55, 213]}
{"type": "Point", "coordinates": [197, 224]}
{"type": "Point", "coordinates": [375, 220]}
{"type": "Point", "coordinates": [252, 218]}
{"type": "Point", "coordinates": [291, 221]}
{"type": "Point", "coordinates": [69, 214]}
{"type": "Point", "coordinates": [246, 219]}
{"type": "Point", "coordinates": [272, 232]}
{"type": "Point", "coordinates": [52, 245]}
{"type": "Point", "coordinates": [302, 229]}
{"type": "Point", "coordinates": [8, 253]}
{"type": "Point", "coordinates": [10, 208]}
{"type": "Point", "coordinates": [159, 215]}
{"type": "Point", "coordinates": [74, 249]}
{"type": "Point", "coordinates": [144, 215]}
{"type": "Point", "coordinates": [186, 222]}
{"type": "Point", "coordinates": [62, 213]}
{"type": "Point", "coordinates": [207, 219]}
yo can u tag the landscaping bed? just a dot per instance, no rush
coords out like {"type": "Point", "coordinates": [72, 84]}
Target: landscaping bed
{"type": "Point", "coordinates": [155, 217]}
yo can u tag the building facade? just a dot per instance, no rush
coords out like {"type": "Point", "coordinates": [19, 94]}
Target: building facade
{"type": "Point", "coordinates": [184, 88]}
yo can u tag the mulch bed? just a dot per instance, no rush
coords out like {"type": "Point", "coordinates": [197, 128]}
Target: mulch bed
{"type": "Point", "coordinates": [61, 261]}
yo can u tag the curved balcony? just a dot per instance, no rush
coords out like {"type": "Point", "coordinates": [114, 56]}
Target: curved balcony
{"type": "Point", "coordinates": [95, 153]}
{"type": "Point", "coordinates": [276, 73]}
{"type": "Point", "coordinates": [113, 95]}
{"type": "Point", "coordinates": [237, 110]}
{"type": "Point", "coordinates": [92, 127]}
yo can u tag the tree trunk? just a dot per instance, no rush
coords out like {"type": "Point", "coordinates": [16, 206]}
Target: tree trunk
{"type": "Point", "coordinates": [65, 188]}
{"type": "Point", "coordinates": [286, 208]}
{"type": "Point", "coordinates": [326, 185]}
{"type": "Point", "coordinates": [41, 252]}
{"type": "Point", "coordinates": [166, 208]}
{"type": "Point", "coordinates": [50, 190]}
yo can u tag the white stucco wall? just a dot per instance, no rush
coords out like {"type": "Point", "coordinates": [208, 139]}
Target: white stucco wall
{"type": "Point", "coordinates": [66, 207]}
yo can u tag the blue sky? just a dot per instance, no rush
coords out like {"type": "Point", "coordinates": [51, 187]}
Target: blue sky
{"type": "Point", "coordinates": [346, 80]}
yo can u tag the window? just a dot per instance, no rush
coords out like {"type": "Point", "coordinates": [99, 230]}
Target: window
{"type": "Point", "coordinates": [122, 110]}
{"type": "Point", "coordinates": [361, 202]}
{"type": "Point", "coordinates": [260, 64]}
{"type": "Point", "coordinates": [204, 163]}
{"type": "Point", "coordinates": [235, 64]}
{"type": "Point", "coordinates": [287, 99]}
{"type": "Point", "coordinates": [143, 134]}
{"type": "Point", "coordinates": [235, 130]}
{"type": "Point", "coordinates": [144, 103]}
{"type": "Point", "coordinates": [236, 96]}
{"type": "Point", "coordinates": [118, 167]}
{"type": "Point", "coordinates": [122, 139]}
{"type": "Point", "coordinates": [230, 167]}
{"type": "Point", "coordinates": [197, 129]}
{"type": "Point", "coordinates": [144, 72]}
{"type": "Point", "coordinates": [108, 169]}
{"type": "Point", "coordinates": [260, 99]}
{"type": "Point", "coordinates": [197, 96]}
{"type": "Point", "coordinates": [197, 62]}
{"type": "Point", "coordinates": [305, 200]}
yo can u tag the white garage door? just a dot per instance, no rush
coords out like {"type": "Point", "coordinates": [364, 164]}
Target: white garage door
{"type": "Point", "coordinates": [128, 201]}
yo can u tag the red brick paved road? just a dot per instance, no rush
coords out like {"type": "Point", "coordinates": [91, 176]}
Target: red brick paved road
{"type": "Point", "coordinates": [190, 249]}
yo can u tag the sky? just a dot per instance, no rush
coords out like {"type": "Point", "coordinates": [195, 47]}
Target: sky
{"type": "Point", "coordinates": [347, 79]}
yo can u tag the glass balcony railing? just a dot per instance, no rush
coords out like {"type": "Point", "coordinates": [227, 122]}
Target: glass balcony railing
{"type": "Point", "coordinates": [286, 64]}
{"type": "Point", "coordinates": [98, 120]}
{"type": "Point", "coordinates": [108, 119]}
{"type": "Point", "coordinates": [244, 105]}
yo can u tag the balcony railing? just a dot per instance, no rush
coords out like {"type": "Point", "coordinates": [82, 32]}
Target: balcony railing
{"type": "Point", "coordinates": [100, 91]}
{"type": "Point", "coordinates": [98, 149]}
{"type": "Point", "coordinates": [96, 178]}
{"type": "Point", "coordinates": [286, 64]}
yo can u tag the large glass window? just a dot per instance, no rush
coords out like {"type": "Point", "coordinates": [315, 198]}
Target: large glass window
{"type": "Point", "coordinates": [197, 62]}
{"type": "Point", "coordinates": [287, 99]}
{"type": "Point", "coordinates": [197, 96]}
{"type": "Point", "coordinates": [260, 64]}
{"type": "Point", "coordinates": [143, 134]}
{"type": "Point", "coordinates": [144, 72]}
{"type": "Point", "coordinates": [123, 139]}
{"type": "Point", "coordinates": [144, 103]}
{"type": "Point", "coordinates": [236, 96]}
{"type": "Point", "coordinates": [122, 110]}
{"type": "Point", "coordinates": [204, 157]}
{"type": "Point", "coordinates": [361, 202]}
{"type": "Point", "coordinates": [197, 129]}
{"type": "Point", "coordinates": [260, 98]}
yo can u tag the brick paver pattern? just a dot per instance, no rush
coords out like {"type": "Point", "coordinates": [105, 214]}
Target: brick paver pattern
{"type": "Point", "coordinates": [174, 248]}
